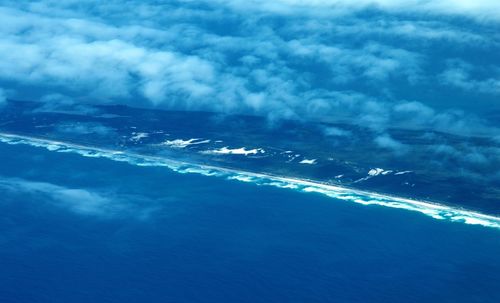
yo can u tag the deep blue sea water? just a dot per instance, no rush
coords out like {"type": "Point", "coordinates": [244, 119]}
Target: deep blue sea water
{"type": "Point", "coordinates": [76, 229]}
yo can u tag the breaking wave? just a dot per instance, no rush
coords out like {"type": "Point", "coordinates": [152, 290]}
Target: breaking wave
{"type": "Point", "coordinates": [436, 211]}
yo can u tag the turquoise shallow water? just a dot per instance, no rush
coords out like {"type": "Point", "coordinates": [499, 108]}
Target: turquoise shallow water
{"type": "Point", "coordinates": [79, 229]}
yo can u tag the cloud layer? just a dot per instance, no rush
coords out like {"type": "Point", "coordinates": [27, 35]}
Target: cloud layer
{"type": "Point", "coordinates": [380, 64]}
{"type": "Point", "coordinates": [482, 9]}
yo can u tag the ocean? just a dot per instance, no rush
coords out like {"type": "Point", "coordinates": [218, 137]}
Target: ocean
{"type": "Point", "coordinates": [90, 229]}
{"type": "Point", "coordinates": [234, 151]}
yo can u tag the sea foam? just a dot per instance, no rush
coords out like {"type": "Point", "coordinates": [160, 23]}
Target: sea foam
{"type": "Point", "coordinates": [434, 210]}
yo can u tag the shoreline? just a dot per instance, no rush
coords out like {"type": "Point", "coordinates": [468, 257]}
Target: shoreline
{"type": "Point", "coordinates": [433, 209]}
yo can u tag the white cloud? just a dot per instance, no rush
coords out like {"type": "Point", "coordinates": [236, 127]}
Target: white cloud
{"type": "Point", "coordinates": [78, 200]}
{"type": "Point", "coordinates": [373, 62]}
{"type": "Point", "coordinates": [480, 9]}
{"type": "Point", "coordinates": [387, 142]}
{"type": "Point", "coordinates": [468, 156]}
{"type": "Point", "coordinates": [182, 56]}
{"type": "Point", "coordinates": [459, 75]}
{"type": "Point", "coordinates": [332, 131]}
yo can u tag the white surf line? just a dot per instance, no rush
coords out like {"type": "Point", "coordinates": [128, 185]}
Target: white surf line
{"type": "Point", "coordinates": [434, 210]}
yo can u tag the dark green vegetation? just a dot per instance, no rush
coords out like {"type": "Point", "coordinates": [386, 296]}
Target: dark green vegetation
{"type": "Point", "coordinates": [426, 165]}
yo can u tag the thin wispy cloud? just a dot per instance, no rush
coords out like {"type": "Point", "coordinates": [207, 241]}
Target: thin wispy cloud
{"type": "Point", "coordinates": [82, 201]}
